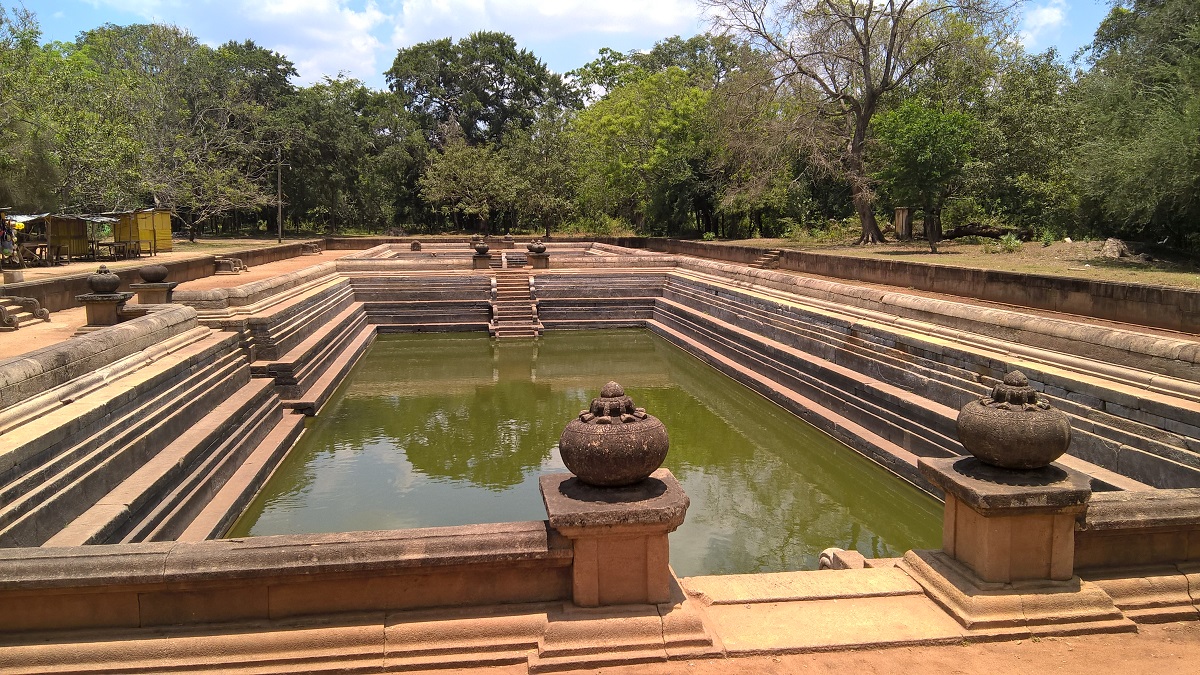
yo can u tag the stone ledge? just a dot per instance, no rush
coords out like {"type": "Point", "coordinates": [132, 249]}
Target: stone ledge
{"type": "Point", "coordinates": [32, 569]}
{"type": "Point", "coordinates": [657, 502]}
{"type": "Point", "coordinates": [1143, 510]}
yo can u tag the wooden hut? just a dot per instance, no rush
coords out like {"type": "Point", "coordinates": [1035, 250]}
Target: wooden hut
{"type": "Point", "coordinates": [152, 225]}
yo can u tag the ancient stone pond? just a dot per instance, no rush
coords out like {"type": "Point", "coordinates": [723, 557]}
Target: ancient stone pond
{"type": "Point", "coordinates": [432, 430]}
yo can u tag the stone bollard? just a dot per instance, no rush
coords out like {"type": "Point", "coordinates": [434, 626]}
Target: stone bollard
{"type": "Point", "coordinates": [538, 258]}
{"type": "Point", "coordinates": [481, 260]}
{"type": "Point", "coordinates": [1008, 528]}
{"type": "Point", "coordinates": [104, 303]}
{"type": "Point", "coordinates": [154, 289]}
{"type": "Point", "coordinates": [619, 506]}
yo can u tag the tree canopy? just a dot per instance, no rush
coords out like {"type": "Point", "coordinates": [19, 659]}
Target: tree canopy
{"type": "Point", "coordinates": [788, 117]}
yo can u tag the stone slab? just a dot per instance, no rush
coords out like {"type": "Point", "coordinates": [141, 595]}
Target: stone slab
{"type": "Point", "coordinates": [987, 489]}
{"type": "Point", "coordinates": [832, 624]}
{"type": "Point", "coordinates": [735, 589]}
{"type": "Point", "coordinates": [657, 502]}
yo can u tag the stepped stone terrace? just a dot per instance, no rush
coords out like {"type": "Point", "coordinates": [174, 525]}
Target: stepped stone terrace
{"type": "Point", "coordinates": [127, 452]}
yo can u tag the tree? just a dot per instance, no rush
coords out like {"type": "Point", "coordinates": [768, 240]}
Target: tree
{"type": "Point", "coordinates": [469, 181]}
{"type": "Point", "coordinates": [644, 153]}
{"type": "Point", "coordinates": [1139, 162]}
{"type": "Point", "coordinates": [844, 57]}
{"type": "Point", "coordinates": [1028, 134]}
{"type": "Point", "coordinates": [28, 170]}
{"type": "Point", "coordinates": [482, 83]}
{"type": "Point", "coordinates": [924, 151]}
{"type": "Point", "coordinates": [542, 161]}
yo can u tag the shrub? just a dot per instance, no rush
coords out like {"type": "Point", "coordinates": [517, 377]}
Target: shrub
{"type": "Point", "coordinates": [1010, 243]}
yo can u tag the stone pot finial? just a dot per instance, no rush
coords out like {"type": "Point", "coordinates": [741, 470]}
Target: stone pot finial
{"type": "Point", "coordinates": [103, 282]}
{"type": "Point", "coordinates": [481, 248]}
{"type": "Point", "coordinates": [415, 246]}
{"type": "Point", "coordinates": [536, 246]}
{"type": "Point", "coordinates": [1014, 428]}
{"type": "Point", "coordinates": [153, 274]}
{"type": "Point", "coordinates": [613, 443]}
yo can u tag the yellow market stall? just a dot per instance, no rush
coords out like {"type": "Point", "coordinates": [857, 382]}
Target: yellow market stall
{"type": "Point", "coordinates": [152, 227]}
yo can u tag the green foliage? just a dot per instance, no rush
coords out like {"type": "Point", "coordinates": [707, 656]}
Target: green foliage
{"type": "Point", "coordinates": [483, 84]}
{"type": "Point", "coordinates": [1139, 163]}
{"type": "Point", "coordinates": [643, 152]}
{"type": "Point", "coordinates": [709, 236]}
{"type": "Point", "coordinates": [924, 151]}
{"type": "Point", "coordinates": [1010, 243]}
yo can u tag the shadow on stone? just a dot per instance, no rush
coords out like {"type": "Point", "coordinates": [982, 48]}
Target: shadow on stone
{"type": "Point", "coordinates": [648, 488]}
{"type": "Point", "coordinates": [973, 468]}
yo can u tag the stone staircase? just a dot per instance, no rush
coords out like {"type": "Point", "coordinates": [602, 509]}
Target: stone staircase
{"type": "Point", "coordinates": [16, 312]}
{"type": "Point", "coordinates": [768, 260]}
{"type": "Point", "coordinates": [515, 259]}
{"type": "Point", "coordinates": [514, 314]}
{"type": "Point", "coordinates": [177, 454]}
{"type": "Point", "coordinates": [864, 365]}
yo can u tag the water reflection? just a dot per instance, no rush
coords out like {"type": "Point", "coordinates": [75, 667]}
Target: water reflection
{"type": "Point", "coordinates": [441, 430]}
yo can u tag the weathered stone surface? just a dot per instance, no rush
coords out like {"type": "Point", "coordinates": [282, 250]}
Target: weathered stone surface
{"type": "Point", "coordinates": [984, 488]}
{"type": "Point", "coordinates": [1143, 510]}
{"type": "Point", "coordinates": [613, 443]}
{"type": "Point", "coordinates": [657, 501]}
{"type": "Point", "coordinates": [1014, 428]}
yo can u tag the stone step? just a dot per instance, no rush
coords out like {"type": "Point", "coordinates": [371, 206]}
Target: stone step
{"type": "Point", "coordinates": [150, 486]}
{"type": "Point", "coordinates": [91, 464]}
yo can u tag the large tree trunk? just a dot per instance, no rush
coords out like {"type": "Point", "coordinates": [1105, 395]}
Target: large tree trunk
{"type": "Point", "coordinates": [864, 202]}
{"type": "Point", "coordinates": [865, 207]}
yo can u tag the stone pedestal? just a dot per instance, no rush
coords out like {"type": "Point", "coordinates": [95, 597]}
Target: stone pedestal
{"type": "Point", "coordinates": [1008, 547]}
{"type": "Point", "coordinates": [481, 262]}
{"type": "Point", "coordinates": [103, 309]}
{"type": "Point", "coordinates": [507, 242]}
{"type": "Point", "coordinates": [619, 536]}
{"type": "Point", "coordinates": [154, 294]}
{"type": "Point", "coordinates": [539, 261]}
{"type": "Point", "coordinates": [1010, 525]}
{"type": "Point", "coordinates": [13, 276]}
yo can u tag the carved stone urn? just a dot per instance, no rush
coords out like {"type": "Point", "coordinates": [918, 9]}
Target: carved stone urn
{"type": "Point", "coordinates": [103, 282]}
{"type": "Point", "coordinates": [481, 248]}
{"type": "Point", "coordinates": [613, 443]}
{"type": "Point", "coordinates": [1013, 428]}
{"type": "Point", "coordinates": [415, 246]}
{"type": "Point", "coordinates": [536, 246]}
{"type": "Point", "coordinates": [153, 274]}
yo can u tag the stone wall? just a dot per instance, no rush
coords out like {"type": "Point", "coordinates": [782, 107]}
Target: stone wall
{"type": "Point", "coordinates": [281, 577]}
{"type": "Point", "coordinates": [1158, 306]}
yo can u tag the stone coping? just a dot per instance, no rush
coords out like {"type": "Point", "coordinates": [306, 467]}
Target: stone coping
{"type": "Point", "coordinates": [990, 490]}
{"type": "Point", "coordinates": [660, 502]}
{"type": "Point", "coordinates": [30, 569]}
{"type": "Point", "coordinates": [1166, 307]}
{"type": "Point", "coordinates": [1143, 510]}
{"type": "Point", "coordinates": [27, 375]}
{"type": "Point", "coordinates": [1003, 324]}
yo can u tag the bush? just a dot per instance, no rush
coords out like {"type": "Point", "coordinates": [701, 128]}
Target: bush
{"type": "Point", "coordinates": [1010, 243]}
{"type": "Point", "coordinates": [709, 236]}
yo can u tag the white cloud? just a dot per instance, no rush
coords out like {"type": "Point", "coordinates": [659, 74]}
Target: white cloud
{"type": "Point", "coordinates": [540, 20]}
{"type": "Point", "coordinates": [1043, 23]}
{"type": "Point", "coordinates": [322, 37]}
{"type": "Point", "coordinates": [359, 37]}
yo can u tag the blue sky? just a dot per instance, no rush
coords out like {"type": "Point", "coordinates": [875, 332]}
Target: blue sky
{"type": "Point", "coordinates": [360, 37]}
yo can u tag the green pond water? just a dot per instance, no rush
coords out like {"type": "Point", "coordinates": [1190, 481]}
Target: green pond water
{"type": "Point", "coordinates": [453, 429]}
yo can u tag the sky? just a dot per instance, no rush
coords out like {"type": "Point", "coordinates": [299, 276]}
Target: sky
{"type": "Point", "coordinates": [360, 37]}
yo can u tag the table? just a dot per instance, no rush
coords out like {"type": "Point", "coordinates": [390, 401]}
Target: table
{"type": "Point", "coordinates": [33, 255]}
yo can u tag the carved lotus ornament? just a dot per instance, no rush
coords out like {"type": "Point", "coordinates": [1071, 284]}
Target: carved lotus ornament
{"type": "Point", "coordinates": [613, 443]}
{"type": "Point", "coordinates": [1014, 428]}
